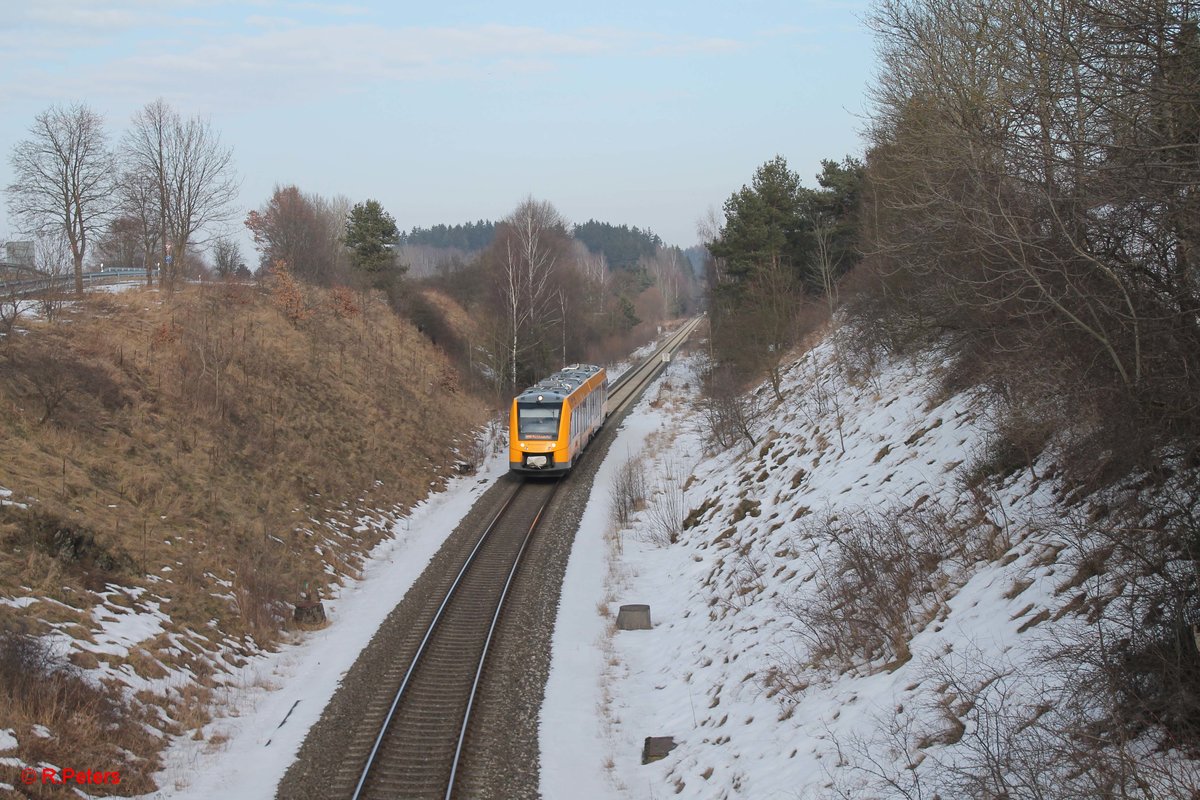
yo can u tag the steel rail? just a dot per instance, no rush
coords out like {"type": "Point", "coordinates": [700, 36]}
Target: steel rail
{"type": "Point", "coordinates": [441, 621]}
{"type": "Point", "coordinates": [645, 371]}
{"type": "Point", "coordinates": [672, 341]}
{"type": "Point", "coordinates": [637, 376]}
{"type": "Point", "coordinates": [437, 617]}
{"type": "Point", "coordinates": [462, 734]}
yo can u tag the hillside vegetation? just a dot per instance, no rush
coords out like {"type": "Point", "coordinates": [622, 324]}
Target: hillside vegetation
{"type": "Point", "coordinates": [868, 603]}
{"type": "Point", "coordinates": [1023, 225]}
{"type": "Point", "coordinates": [176, 471]}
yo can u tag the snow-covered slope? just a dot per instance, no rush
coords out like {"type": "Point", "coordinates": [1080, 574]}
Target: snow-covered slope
{"type": "Point", "coordinates": [836, 606]}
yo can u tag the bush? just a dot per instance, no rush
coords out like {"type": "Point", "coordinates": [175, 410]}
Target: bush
{"type": "Point", "coordinates": [91, 724]}
{"type": "Point", "coordinates": [629, 491]}
{"type": "Point", "coordinates": [666, 509]}
{"type": "Point", "coordinates": [880, 576]}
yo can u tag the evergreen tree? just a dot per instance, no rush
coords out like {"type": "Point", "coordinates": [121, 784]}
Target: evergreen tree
{"type": "Point", "coordinates": [620, 245]}
{"type": "Point", "coordinates": [371, 235]}
{"type": "Point", "coordinates": [765, 226]}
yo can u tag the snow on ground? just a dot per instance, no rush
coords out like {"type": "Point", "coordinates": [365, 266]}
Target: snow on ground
{"type": "Point", "coordinates": [725, 598]}
{"type": "Point", "coordinates": [120, 286]}
{"type": "Point", "coordinates": [264, 717]}
{"type": "Point", "coordinates": [5, 495]}
{"type": "Point", "coordinates": [719, 600]}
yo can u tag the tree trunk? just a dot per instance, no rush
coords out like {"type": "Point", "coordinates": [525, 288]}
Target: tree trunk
{"type": "Point", "coordinates": [78, 274]}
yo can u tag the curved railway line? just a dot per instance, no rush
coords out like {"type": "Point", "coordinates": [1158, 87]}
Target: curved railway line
{"type": "Point", "coordinates": [415, 746]}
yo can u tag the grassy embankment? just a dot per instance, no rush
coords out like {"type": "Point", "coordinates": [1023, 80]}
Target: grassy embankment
{"type": "Point", "coordinates": [187, 465]}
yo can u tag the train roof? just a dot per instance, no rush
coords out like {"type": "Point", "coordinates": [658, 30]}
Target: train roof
{"type": "Point", "coordinates": [559, 385]}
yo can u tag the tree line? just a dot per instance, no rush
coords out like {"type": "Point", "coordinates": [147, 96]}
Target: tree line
{"type": "Point", "coordinates": [775, 261]}
{"type": "Point", "coordinates": [539, 290]}
{"type": "Point", "coordinates": [468, 237]}
{"type": "Point", "coordinates": [1027, 201]}
{"type": "Point", "coordinates": [541, 297]}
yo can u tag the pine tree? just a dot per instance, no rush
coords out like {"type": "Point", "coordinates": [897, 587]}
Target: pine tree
{"type": "Point", "coordinates": [371, 235]}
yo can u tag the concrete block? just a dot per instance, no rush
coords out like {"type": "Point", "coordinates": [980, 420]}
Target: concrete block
{"type": "Point", "coordinates": [634, 617]}
{"type": "Point", "coordinates": [656, 748]}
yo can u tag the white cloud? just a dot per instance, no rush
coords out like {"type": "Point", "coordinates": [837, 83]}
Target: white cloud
{"type": "Point", "coordinates": [264, 21]}
{"type": "Point", "coordinates": [341, 10]}
{"type": "Point", "coordinates": [274, 57]}
{"type": "Point", "coordinates": [702, 46]}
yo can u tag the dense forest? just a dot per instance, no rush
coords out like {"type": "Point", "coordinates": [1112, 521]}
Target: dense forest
{"type": "Point", "coordinates": [622, 247]}
{"type": "Point", "coordinates": [468, 237]}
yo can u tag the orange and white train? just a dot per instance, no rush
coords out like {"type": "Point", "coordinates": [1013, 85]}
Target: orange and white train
{"type": "Point", "coordinates": [553, 420]}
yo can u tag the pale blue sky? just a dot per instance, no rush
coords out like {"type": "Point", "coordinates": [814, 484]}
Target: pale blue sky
{"type": "Point", "coordinates": [643, 113]}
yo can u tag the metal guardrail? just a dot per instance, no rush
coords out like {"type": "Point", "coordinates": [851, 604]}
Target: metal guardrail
{"type": "Point", "coordinates": [30, 286]}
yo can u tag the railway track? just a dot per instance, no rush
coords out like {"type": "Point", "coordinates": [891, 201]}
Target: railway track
{"type": "Point", "coordinates": [633, 380]}
{"type": "Point", "coordinates": [417, 752]}
{"type": "Point", "coordinates": [418, 748]}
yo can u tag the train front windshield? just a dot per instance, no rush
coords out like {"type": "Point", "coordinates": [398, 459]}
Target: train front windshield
{"type": "Point", "coordinates": [538, 420]}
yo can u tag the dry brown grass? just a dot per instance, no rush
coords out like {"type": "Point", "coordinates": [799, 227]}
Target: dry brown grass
{"type": "Point", "coordinates": [91, 726]}
{"type": "Point", "coordinates": [214, 450]}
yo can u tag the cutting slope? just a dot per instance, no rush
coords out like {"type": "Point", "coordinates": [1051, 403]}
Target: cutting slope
{"type": "Point", "coordinates": [861, 603]}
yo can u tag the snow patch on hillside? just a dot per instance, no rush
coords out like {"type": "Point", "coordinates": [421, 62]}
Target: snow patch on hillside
{"type": "Point", "coordinates": [757, 699]}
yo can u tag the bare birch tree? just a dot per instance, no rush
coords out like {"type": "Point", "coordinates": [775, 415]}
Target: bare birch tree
{"type": "Point", "coordinates": [53, 259]}
{"type": "Point", "coordinates": [533, 240]}
{"type": "Point", "coordinates": [63, 179]}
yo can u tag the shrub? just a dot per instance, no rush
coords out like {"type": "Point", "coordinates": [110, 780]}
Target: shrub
{"type": "Point", "coordinates": [666, 508]}
{"type": "Point", "coordinates": [879, 577]}
{"type": "Point", "coordinates": [629, 491]}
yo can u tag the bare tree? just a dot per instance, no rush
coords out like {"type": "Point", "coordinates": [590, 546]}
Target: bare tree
{"type": "Point", "coordinates": [53, 260]}
{"type": "Point", "coordinates": [193, 173]}
{"type": "Point", "coordinates": [333, 213]}
{"type": "Point", "coordinates": [63, 178]}
{"type": "Point", "coordinates": [147, 152]}
{"type": "Point", "coordinates": [532, 241]}
{"type": "Point", "coordinates": [121, 243]}
{"type": "Point", "coordinates": [227, 256]}
{"type": "Point", "coordinates": [667, 267]}
{"type": "Point", "coordinates": [138, 200]}
{"type": "Point", "coordinates": [1033, 192]}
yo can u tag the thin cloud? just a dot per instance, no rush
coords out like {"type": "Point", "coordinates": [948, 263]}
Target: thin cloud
{"type": "Point", "coordinates": [340, 10]}
{"type": "Point", "coordinates": [90, 18]}
{"type": "Point", "coordinates": [273, 58]}
{"type": "Point", "coordinates": [709, 46]}
{"type": "Point", "coordinates": [262, 21]}
{"type": "Point", "coordinates": [787, 30]}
